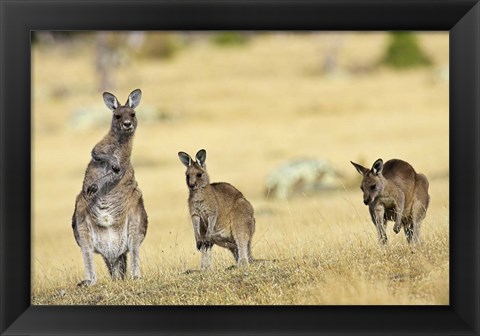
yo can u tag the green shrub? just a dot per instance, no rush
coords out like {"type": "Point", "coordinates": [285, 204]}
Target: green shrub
{"type": "Point", "coordinates": [229, 39]}
{"type": "Point", "coordinates": [404, 52]}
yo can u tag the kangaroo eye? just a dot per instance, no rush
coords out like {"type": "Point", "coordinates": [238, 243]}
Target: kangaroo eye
{"type": "Point", "coordinates": [132, 115]}
{"type": "Point", "coordinates": [199, 175]}
{"type": "Point", "coordinates": [117, 116]}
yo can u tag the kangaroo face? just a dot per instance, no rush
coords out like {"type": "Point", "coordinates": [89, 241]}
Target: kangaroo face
{"type": "Point", "coordinates": [196, 174]}
{"type": "Point", "coordinates": [372, 186]}
{"type": "Point", "coordinates": [196, 177]}
{"type": "Point", "coordinates": [372, 183]}
{"type": "Point", "coordinates": [124, 120]}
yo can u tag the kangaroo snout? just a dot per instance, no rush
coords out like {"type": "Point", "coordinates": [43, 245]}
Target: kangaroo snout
{"type": "Point", "coordinates": [127, 125]}
{"type": "Point", "coordinates": [366, 201]}
{"type": "Point", "coordinates": [191, 183]}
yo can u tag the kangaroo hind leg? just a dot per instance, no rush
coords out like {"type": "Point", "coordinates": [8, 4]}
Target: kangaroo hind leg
{"type": "Point", "coordinates": [242, 238]}
{"type": "Point", "coordinates": [408, 228]}
{"type": "Point", "coordinates": [418, 214]}
{"type": "Point", "coordinates": [83, 236]}
{"type": "Point", "coordinates": [137, 229]}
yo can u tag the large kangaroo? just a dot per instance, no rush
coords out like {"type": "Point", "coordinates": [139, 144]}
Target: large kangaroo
{"type": "Point", "coordinates": [109, 216]}
{"type": "Point", "coordinates": [220, 213]}
{"type": "Point", "coordinates": [394, 191]}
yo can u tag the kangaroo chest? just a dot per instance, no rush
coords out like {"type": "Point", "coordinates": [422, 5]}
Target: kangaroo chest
{"type": "Point", "coordinates": [387, 202]}
{"type": "Point", "coordinates": [390, 206]}
{"type": "Point", "coordinates": [221, 234]}
{"type": "Point", "coordinates": [107, 212]}
{"type": "Point", "coordinates": [201, 207]}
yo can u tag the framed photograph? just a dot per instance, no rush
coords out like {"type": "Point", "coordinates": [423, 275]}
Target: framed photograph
{"type": "Point", "coordinates": [341, 142]}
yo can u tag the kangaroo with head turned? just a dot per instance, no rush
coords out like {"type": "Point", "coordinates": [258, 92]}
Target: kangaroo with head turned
{"type": "Point", "coordinates": [394, 191]}
{"type": "Point", "coordinates": [109, 216]}
{"type": "Point", "coordinates": [220, 214]}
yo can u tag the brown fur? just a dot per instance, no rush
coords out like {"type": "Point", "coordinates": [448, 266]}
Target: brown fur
{"type": "Point", "coordinates": [220, 214]}
{"type": "Point", "coordinates": [394, 191]}
{"type": "Point", "coordinates": [109, 216]}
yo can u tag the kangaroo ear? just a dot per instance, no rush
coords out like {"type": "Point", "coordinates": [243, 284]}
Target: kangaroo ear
{"type": "Point", "coordinates": [185, 159]}
{"type": "Point", "coordinates": [361, 169]}
{"type": "Point", "coordinates": [110, 100]}
{"type": "Point", "coordinates": [201, 156]}
{"type": "Point", "coordinates": [134, 98]}
{"type": "Point", "coordinates": [377, 166]}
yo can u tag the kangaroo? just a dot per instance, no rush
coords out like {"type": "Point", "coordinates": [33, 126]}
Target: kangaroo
{"type": "Point", "coordinates": [109, 216]}
{"type": "Point", "coordinates": [394, 191]}
{"type": "Point", "coordinates": [220, 214]}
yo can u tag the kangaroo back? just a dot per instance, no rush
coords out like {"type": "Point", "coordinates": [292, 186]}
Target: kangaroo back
{"type": "Point", "coordinates": [399, 172]}
{"type": "Point", "coordinates": [226, 194]}
{"type": "Point", "coordinates": [232, 205]}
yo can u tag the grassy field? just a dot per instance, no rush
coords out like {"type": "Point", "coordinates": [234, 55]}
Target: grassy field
{"type": "Point", "coordinates": [252, 108]}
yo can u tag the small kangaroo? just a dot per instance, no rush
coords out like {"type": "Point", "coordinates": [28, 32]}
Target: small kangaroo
{"type": "Point", "coordinates": [394, 191]}
{"type": "Point", "coordinates": [220, 213]}
{"type": "Point", "coordinates": [109, 216]}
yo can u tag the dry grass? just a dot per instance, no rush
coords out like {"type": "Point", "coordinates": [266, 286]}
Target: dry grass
{"type": "Point", "coordinates": [252, 108]}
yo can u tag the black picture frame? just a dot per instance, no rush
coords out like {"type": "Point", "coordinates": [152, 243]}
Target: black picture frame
{"type": "Point", "coordinates": [19, 17]}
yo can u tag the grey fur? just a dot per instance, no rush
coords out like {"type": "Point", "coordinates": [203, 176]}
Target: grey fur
{"type": "Point", "coordinates": [394, 191]}
{"type": "Point", "coordinates": [109, 216]}
{"type": "Point", "coordinates": [220, 214]}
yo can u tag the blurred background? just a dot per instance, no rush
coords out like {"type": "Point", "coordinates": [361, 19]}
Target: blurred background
{"type": "Point", "coordinates": [281, 115]}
